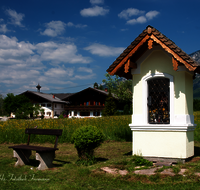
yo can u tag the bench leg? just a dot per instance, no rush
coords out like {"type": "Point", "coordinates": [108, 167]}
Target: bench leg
{"type": "Point", "coordinates": [22, 157]}
{"type": "Point", "coordinates": [46, 159]}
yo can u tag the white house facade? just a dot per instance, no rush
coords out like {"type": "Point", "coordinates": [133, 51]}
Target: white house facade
{"type": "Point", "coordinates": [52, 105]}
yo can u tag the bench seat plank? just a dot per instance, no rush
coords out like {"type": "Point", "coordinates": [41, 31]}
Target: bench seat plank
{"type": "Point", "coordinates": [34, 148]}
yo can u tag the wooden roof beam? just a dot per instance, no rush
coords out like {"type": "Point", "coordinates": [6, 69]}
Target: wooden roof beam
{"type": "Point", "coordinates": [129, 55]}
{"type": "Point", "coordinates": [177, 57]}
{"type": "Point", "coordinates": [129, 65]}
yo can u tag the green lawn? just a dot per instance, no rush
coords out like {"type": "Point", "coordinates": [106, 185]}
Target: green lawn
{"type": "Point", "coordinates": [67, 175]}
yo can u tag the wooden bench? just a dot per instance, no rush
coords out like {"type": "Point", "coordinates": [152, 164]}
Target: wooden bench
{"type": "Point", "coordinates": [45, 155]}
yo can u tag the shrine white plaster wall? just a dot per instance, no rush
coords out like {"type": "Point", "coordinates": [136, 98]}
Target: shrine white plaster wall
{"type": "Point", "coordinates": [158, 63]}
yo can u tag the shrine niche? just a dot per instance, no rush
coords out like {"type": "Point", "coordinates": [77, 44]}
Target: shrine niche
{"type": "Point", "coordinates": [162, 74]}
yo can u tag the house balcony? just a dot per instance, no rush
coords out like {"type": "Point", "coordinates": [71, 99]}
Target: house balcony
{"type": "Point", "coordinates": [85, 108]}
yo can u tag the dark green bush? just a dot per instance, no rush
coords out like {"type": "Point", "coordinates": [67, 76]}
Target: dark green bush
{"type": "Point", "coordinates": [110, 106]}
{"type": "Point", "coordinates": [86, 139]}
{"type": "Point", "coordinates": [61, 116]}
{"type": "Point", "coordinates": [196, 105]}
{"type": "Point", "coordinates": [140, 161]}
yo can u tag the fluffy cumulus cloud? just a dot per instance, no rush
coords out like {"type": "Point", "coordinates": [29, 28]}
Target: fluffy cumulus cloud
{"type": "Point", "coordinates": [54, 28]}
{"type": "Point", "coordinates": [151, 14]}
{"type": "Point", "coordinates": [141, 16]}
{"type": "Point", "coordinates": [16, 18]}
{"type": "Point", "coordinates": [94, 11]}
{"type": "Point", "coordinates": [12, 51]}
{"type": "Point", "coordinates": [140, 20]}
{"type": "Point", "coordinates": [103, 50]}
{"type": "Point", "coordinates": [57, 53]}
{"type": "Point", "coordinates": [130, 12]}
{"type": "Point", "coordinates": [47, 63]}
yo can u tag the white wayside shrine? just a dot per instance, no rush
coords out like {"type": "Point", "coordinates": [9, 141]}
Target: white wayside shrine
{"type": "Point", "coordinates": [162, 74]}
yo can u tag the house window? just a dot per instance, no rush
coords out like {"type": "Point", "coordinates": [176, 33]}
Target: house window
{"type": "Point", "coordinates": [158, 100]}
{"type": "Point", "coordinates": [84, 113]}
{"type": "Point", "coordinates": [75, 113]}
{"type": "Point", "coordinates": [48, 105]}
{"type": "Point", "coordinates": [55, 105]}
{"type": "Point", "coordinates": [96, 113]}
{"type": "Point", "coordinates": [49, 113]}
{"type": "Point", "coordinates": [43, 105]}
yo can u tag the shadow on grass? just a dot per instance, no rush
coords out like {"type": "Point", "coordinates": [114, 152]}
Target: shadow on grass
{"type": "Point", "coordinates": [99, 159]}
{"type": "Point", "coordinates": [62, 162]}
{"type": "Point", "coordinates": [196, 151]}
{"type": "Point", "coordinates": [35, 163]}
{"type": "Point", "coordinates": [129, 153]}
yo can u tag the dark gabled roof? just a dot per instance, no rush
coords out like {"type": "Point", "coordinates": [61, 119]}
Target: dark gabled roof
{"type": "Point", "coordinates": [148, 38]}
{"type": "Point", "coordinates": [94, 89]}
{"type": "Point", "coordinates": [63, 95]}
{"type": "Point", "coordinates": [48, 97]}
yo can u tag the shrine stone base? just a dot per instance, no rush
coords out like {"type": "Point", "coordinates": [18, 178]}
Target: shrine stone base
{"type": "Point", "coordinates": [164, 144]}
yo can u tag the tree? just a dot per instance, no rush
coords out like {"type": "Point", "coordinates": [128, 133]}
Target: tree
{"type": "Point", "coordinates": [1, 105]}
{"type": "Point", "coordinates": [9, 103]}
{"type": "Point", "coordinates": [95, 85]}
{"type": "Point", "coordinates": [121, 87]}
{"type": "Point", "coordinates": [20, 105]}
{"type": "Point", "coordinates": [110, 106]}
{"type": "Point", "coordinates": [100, 87]}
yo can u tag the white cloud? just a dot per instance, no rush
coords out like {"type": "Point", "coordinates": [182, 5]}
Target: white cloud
{"type": "Point", "coordinates": [84, 69]}
{"type": "Point", "coordinates": [3, 28]}
{"type": "Point", "coordinates": [70, 24]}
{"type": "Point", "coordinates": [16, 18]}
{"type": "Point", "coordinates": [54, 28]}
{"type": "Point", "coordinates": [103, 50]}
{"type": "Point", "coordinates": [60, 72]}
{"type": "Point", "coordinates": [126, 14]}
{"type": "Point", "coordinates": [10, 49]}
{"type": "Point", "coordinates": [140, 20]}
{"type": "Point", "coordinates": [24, 64]}
{"type": "Point", "coordinates": [94, 11]}
{"type": "Point", "coordinates": [96, 2]}
{"type": "Point", "coordinates": [143, 19]}
{"type": "Point", "coordinates": [84, 77]}
{"type": "Point", "coordinates": [13, 76]}
{"type": "Point", "coordinates": [151, 14]}
{"type": "Point", "coordinates": [7, 43]}
{"type": "Point", "coordinates": [57, 53]}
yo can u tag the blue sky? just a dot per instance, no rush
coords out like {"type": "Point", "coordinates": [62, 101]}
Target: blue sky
{"type": "Point", "coordinates": [66, 46]}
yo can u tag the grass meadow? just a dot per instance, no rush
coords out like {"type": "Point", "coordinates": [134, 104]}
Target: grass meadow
{"type": "Point", "coordinates": [115, 128]}
{"type": "Point", "coordinates": [115, 152]}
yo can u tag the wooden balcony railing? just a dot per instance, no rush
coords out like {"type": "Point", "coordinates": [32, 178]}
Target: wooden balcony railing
{"type": "Point", "coordinates": [80, 108]}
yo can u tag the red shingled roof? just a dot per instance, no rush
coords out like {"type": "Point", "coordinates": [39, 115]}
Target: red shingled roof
{"type": "Point", "coordinates": [149, 38]}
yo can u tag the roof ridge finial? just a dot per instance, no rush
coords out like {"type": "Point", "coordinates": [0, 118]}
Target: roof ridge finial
{"type": "Point", "coordinates": [38, 87]}
{"type": "Point", "coordinates": [149, 29]}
